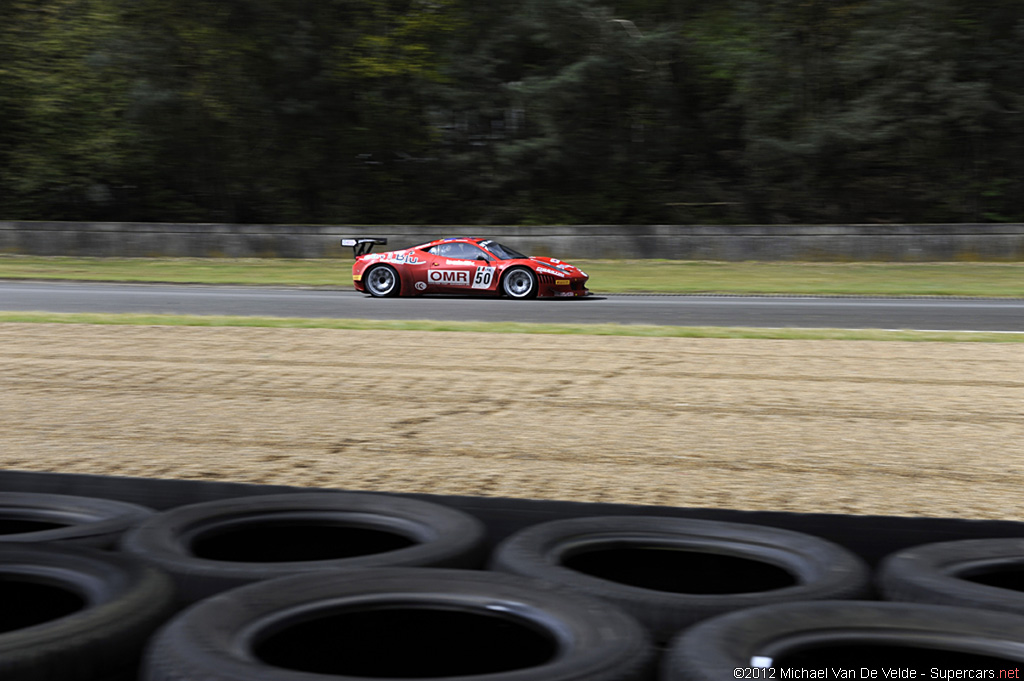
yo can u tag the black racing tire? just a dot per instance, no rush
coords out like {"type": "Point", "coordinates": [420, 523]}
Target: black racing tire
{"type": "Point", "coordinates": [29, 517]}
{"type": "Point", "coordinates": [519, 283]}
{"type": "Point", "coordinates": [974, 573]}
{"type": "Point", "coordinates": [213, 546]}
{"type": "Point", "coordinates": [400, 623]}
{"type": "Point", "coordinates": [672, 572]}
{"type": "Point", "coordinates": [382, 281]}
{"type": "Point", "coordinates": [76, 613]}
{"type": "Point", "coordinates": [771, 641]}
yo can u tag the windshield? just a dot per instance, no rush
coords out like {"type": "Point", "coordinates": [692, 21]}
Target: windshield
{"type": "Point", "coordinates": [503, 252]}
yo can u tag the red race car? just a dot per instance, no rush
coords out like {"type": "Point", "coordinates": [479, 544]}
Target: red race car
{"type": "Point", "coordinates": [467, 265]}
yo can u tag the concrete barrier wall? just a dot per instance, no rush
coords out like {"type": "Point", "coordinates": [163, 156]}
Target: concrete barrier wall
{"type": "Point", "coordinates": [910, 243]}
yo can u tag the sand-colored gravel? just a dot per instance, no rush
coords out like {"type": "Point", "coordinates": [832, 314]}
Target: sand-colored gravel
{"type": "Point", "coordinates": [834, 426]}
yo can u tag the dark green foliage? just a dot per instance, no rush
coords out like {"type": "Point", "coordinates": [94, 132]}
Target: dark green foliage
{"type": "Point", "coordinates": [512, 111]}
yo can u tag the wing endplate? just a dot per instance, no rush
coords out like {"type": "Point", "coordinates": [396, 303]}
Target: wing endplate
{"type": "Point", "coordinates": [363, 245]}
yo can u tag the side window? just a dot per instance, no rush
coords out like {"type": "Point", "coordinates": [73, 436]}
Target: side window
{"type": "Point", "coordinates": [458, 250]}
{"type": "Point", "coordinates": [475, 253]}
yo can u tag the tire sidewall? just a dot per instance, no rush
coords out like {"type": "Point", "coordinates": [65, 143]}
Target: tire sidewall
{"type": "Point", "coordinates": [933, 573]}
{"type": "Point", "coordinates": [712, 649]}
{"type": "Point", "coordinates": [822, 570]}
{"type": "Point", "coordinates": [92, 522]}
{"type": "Point", "coordinates": [125, 601]}
{"type": "Point", "coordinates": [445, 537]}
{"type": "Point", "coordinates": [214, 639]}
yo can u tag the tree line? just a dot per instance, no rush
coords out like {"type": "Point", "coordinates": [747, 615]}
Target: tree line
{"type": "Point", "coordinates": [512, 111]}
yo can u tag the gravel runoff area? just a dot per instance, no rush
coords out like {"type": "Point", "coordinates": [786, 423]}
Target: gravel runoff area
{"type": "Point", "coordinates": [899, 428]}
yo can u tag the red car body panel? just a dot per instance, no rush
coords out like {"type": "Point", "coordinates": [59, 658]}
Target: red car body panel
{"type": "Point", "coordinates": [425, 269]}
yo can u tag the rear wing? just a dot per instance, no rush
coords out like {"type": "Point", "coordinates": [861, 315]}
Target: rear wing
{"type": "Point", "coordinates": [362, 246]}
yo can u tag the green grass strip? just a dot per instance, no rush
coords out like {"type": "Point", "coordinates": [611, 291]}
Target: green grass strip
{"type": "Point", "coordinates": [976, 279]}
{"type": "Point", "coordinates": [805, 278]}
{"type": "Point", "coordinates": [514, 327]}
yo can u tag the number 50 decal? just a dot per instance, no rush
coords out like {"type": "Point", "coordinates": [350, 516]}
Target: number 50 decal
{"type": "Point", "coordinates": [483, 277]}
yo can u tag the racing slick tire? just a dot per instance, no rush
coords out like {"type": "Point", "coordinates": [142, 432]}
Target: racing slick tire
{"type": "Point", "coordinates": [519, 283]}
{"type": "Point", "coordinates": [399, 623]}
{"type": "Point", "coordinates": [672, 572]}
{"type": "Point", "coordinates": [76, 613]}
{"type": "Point", "coordinates": [806, 640]}
{"type": "Point", "coordinates": [31, 517]}
{"type": "Point", "coordinates": [975, 573]}
{"type": "Point", "coordinates": [382, 281]}
{"type": "Point", "coordinates": [217, 545]}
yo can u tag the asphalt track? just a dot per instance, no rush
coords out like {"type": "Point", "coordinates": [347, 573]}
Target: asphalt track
{"type": "Point", "coordinates": [948, 314]}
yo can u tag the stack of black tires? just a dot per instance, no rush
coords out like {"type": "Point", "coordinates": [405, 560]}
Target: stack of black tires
{"type": "Point", "coordinates": [308, 585]}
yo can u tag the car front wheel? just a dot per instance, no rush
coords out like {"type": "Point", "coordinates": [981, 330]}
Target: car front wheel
{"type": "Point", "coordinates": [381, 281]}
{"type": "Point", "coordinates": [519, 283]}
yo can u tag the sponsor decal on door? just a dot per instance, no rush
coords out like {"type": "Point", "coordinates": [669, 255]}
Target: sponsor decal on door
{"type": "Point", "coordinates": [448, 277]}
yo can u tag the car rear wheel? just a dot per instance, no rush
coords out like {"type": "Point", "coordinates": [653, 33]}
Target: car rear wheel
{"type": "Point", "coordinates": [381, 281]}
{"type": "Point", "coordinates": [519, 283]}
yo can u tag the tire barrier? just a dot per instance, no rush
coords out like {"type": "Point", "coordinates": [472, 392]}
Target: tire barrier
{"type": "Point", "coordinates": [27, 517]}
{"type": "Point", "coordinates": [210, 547]}
{"type": "Point", "coordinates": [672, 572]}
{"type": "Point", "coordinates": [449, 610]}
{"type": "Point", "coordinates": [76, 613]}
{"type": "Point", "coordinates": [976, 573]}
{"type": "Point", "coordinates": [839, 638]}
{"type": "Point", "coordinates": [400, 623]}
